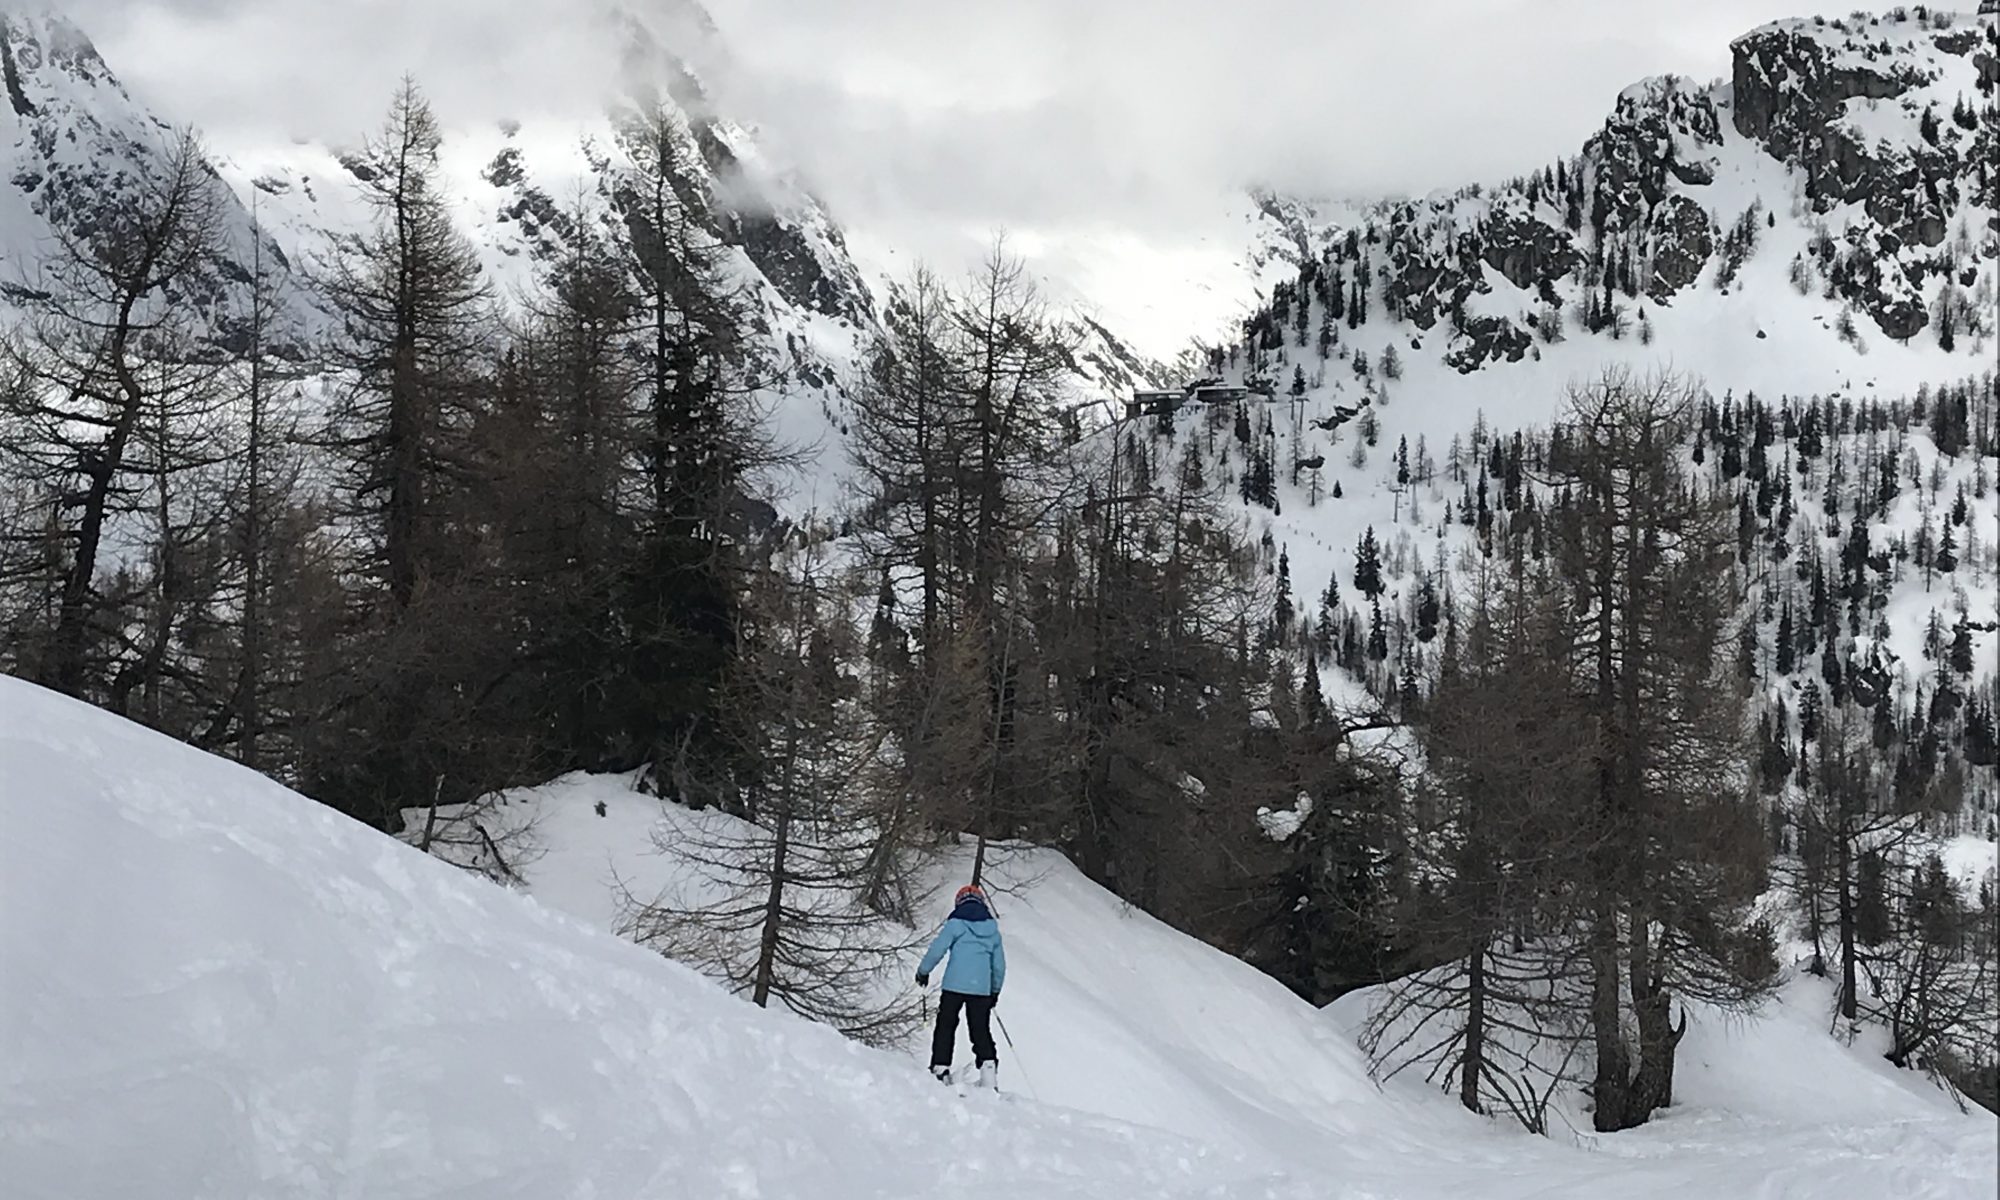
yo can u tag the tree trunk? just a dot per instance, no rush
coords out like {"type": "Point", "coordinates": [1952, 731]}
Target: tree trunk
{"type": "Point", "coordinates": [406, 473]}
{"type": "Point", "coordinates": [1652, 1084]}
{"type": "Point", "coordinates": [1472, 1063]}
{"type": "Point", "coordinates": [406, 418]}
{"type": "Point", "coordinates": [1843, 850]}
{"type": "Point", "coordinates": [774, 900]}
{"type": "Point", "coordinates": [767, 949]}
{"type": "Point", "coordinates": [160, 628]}
{"type": "Point", "coordinates": [928, 481]}
{"type": "Point", "coordinates": [662, 373]}
{"type": "Point", "coordinates": [1815, 927]}
{"type": "Point", "coordinates": [250, 679]}
{"type": "Point", "coordinates": [66, 672]}
{"type": "Point", "coordinates": [1611, 1086]}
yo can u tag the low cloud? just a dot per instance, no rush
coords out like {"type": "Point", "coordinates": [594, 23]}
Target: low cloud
{"type": "Point", "coordinates": [1131, 110]}
{"type": "Point", "coordinates": [927, 125]}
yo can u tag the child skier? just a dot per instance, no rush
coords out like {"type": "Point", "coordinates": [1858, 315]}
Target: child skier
{"type": "Point", "coordinates": [972, 982]}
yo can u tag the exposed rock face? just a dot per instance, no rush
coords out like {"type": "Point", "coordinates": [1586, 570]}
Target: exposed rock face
{"type": "Point", "coordinates": [782, 252]}
{"type": "Point", "coordinates": [1484, 340]}
{"type": "Point", "coordinates": [23, 107]}
{"type": "Point", "coordinates": [1529, 251]}
{"type": "Point", "coordinates": [1424, 275]}
{"type": "Point", "coordinates": [1662, 130]}
{"type": "Point", "coordinates": [1793, 86]}
{"type": "Point", "coordinates": [1788, 86]}
{"type": "Point", "coordinates": [1292, 222]}
{"type": "Point", "coordinates": [1683, 240]}
{"type": "Point", "coordinates": [1842, 101]}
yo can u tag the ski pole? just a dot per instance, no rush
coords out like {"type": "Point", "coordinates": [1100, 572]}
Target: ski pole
{"type": "Point", "coordinates": [1016, 1055]}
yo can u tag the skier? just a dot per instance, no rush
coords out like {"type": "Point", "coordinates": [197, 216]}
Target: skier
{"type": "Point", "coordinates": [972, 982]}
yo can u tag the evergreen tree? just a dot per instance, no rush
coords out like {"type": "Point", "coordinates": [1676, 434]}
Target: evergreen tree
{"type": "Point", "coordinates": [105, 397]}
{"type": "Point", "coordinates": [1368, 565]}
{"type": "Point", "coordinates": [415, 317]}
{"type": "Point", "coordinates": [1392, 362]}
{"type": "Point", "coordinates": [1787, 642]}
{"type": "Point", "coordinates": [1960, 655]}
{"type": "Point", "coordinates": [783, 917]}
{"type": "Point", "coordinates": [1427, 610]}
{"type": "Point", "coordinates": [1666, 726]}
{"type": "Point", "coordinates": [1498, 842]}
{"type": "Point", "coordinates": [698, 440]}
{"type": "Point", "coordinates": [1282, 610]}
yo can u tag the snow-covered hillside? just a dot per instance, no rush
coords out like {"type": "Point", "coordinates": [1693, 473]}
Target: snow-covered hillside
{"type": "Point", "coordinates": [1731, 225]}
{"type": "Point", "coordinates": [210, 985]}
{"type": "Point", "coordinates": [1113, 1013]}
{"type": "Point", "coordinates": [1819, 230]}
{"type": "Point", "coordinates": [215, 987]}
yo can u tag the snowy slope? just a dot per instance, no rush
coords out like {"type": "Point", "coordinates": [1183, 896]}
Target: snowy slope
{"type": "Point", "coordinates": [1856, 212]}
{"type": "Point", "coordinates": [1113, 1013]}
{"type": "Point", "coordinates": [215, 987]}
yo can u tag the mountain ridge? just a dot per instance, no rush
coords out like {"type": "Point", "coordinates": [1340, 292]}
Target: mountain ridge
{"type": "Point", "coordinates": [1894, 210]}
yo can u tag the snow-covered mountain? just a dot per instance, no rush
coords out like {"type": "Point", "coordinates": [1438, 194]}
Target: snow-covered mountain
{"type": "Point", "coordinates": [233, 991]}
{"type": "Point", "coordinates": [1837, 182]}
{"type": "Point", "coordinates": [1825, 218]}
{"type": "Point", "coordinates": [78, 148]}
{"type": "Point", "coordinates": [218, 987]}
{"type": "Point", "coordinates": [1814, 241]}
{"type": "Point", "coordinates": [81, 143]}
{"type": "Point", "coordinates": [1823, 228]}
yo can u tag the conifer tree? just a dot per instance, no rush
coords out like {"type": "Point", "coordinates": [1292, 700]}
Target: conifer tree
{"type": "Point", "coordinates": [783, 918]}
{"type": "Point", "coordinates": [104, 385]}
{"type": "Point", "coordinates": [1645, 549]}
{"type": "Point", "coordinates": [1368, 565]}
{"type": "Point", "coordinates": [415, 333]}
{"type": "Point", "coordinates": [1497, 1021]}
{"type": "Point", "coordinates": [698, 444]}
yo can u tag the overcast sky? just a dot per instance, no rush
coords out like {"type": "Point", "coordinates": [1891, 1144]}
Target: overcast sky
{"type": "Point", "coordinates": [929, 122]}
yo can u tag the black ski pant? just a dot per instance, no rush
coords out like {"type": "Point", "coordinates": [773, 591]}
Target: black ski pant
{"type": "Point", "coordinates": [978, 1016]}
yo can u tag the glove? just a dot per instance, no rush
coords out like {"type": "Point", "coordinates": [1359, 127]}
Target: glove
{"type": "Point", "coordinates": [923, 979]}
{"type": "Point", "coordinates": [996, 999]}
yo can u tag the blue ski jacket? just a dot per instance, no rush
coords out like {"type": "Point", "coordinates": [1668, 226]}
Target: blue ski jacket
{"type": "Point", "coordinates": [978, 960]}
